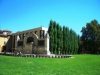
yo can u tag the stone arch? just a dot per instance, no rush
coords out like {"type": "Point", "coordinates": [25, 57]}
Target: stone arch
{"type": "Point", "coordinates": [31, 36]}
{"type": "Point", "coordinates": [30, 39]}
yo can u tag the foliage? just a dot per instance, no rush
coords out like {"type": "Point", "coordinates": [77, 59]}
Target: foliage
{"type": "Point", "coordinates": [62, 39]}
{"type": "Point", "coordinates": [91, 37]}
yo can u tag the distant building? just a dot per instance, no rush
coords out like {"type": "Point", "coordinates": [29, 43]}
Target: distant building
{"type": "Point", "coordinates": [33, 41]}
{"type": "Point", "coordinates": [4, 37]}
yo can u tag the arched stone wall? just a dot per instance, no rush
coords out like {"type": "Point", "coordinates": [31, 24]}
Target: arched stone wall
{"type": "Point", "coordinates": [30, 39]}
{"type": "Point", "coordinates": [33, 47]}
{"type": "Point", "coordinates": [35, 37]}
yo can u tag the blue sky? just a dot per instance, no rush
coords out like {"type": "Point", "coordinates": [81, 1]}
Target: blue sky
{"type": "Point", "coordinates": [19, 15]}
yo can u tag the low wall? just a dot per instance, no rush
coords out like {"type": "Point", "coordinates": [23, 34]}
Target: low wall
{"type": "Point", "coordinates": [37, 56]}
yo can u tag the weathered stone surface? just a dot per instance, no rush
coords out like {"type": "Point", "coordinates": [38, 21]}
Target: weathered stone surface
{"type": "Point", "coordinates": [38, 44]}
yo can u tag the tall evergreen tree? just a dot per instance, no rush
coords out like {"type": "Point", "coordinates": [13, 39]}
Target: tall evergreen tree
{"type": "Point", "coordinates": [62, 40]}
{"type": "Point", "coordinates": [58, 39]}
{"type": "Point", "coordinates": [51, 31]}
{"type": "Point", "coordinates": [67, 39]}
{"type": "Point", "coordinates": [55, 37]}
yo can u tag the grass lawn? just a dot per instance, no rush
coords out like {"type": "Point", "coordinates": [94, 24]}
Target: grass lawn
{"type": "Point", "coordinates": [79, 65]}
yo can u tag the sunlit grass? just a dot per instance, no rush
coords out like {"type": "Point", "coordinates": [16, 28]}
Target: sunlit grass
{"type": "Point", "coordinates": [79, 65]}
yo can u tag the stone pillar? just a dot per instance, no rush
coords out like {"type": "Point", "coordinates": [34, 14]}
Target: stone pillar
{"type": "Point", "coordinates": [12, 43]}
{"type": "Point", "coordinates": [47, 44]}
{"type": "Point", "coordinates": [7, 49]}
{"type": "Point", "coordinates": [21, 36]}
{"type": "Point", "coordinates": [17, 37]}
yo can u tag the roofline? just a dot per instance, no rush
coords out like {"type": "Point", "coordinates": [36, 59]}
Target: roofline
{"type": "Point", "coordinates": [30, 30]}
{"type": "Point", "coordinates": [2, 35]}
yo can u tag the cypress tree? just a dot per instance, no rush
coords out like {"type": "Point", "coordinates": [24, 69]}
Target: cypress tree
{"type": "Point", "coordinates": [55, 37]}
{"type": "Point", "coordinates": [58, 39]}
{"type": "Point", "coordinates": [62, 40]}
{"type": "Point", "coordinates": [50, 31]}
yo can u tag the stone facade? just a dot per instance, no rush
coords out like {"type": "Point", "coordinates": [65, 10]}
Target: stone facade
{"type": "Point", "coordinates": [33, 41]}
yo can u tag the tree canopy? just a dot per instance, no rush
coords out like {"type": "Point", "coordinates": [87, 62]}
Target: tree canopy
{"type": "Point", "coordinates": [91, 37]}
{"type": "Point", "coordinates": [62, 39]}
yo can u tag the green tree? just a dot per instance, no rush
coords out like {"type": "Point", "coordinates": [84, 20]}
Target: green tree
{"type": "Point", "coordinates": [58, 39]}
{"type": "Point", "coordinates": [62, 40]}
{"type": "Point", "coordinates": [51, 31]}
{"type": "Point", "coordinates": [76, 43]}
{"type": "Point", "coordinates": [67, 41]}
{"type": "Point", "coordinates": [55, 37]}
{"type": "Point", "coordinates": [91, 36]}
{"type": "Point", "coordinates": [71, 41]}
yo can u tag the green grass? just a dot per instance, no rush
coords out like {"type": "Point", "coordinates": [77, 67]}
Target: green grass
{"type": "Point", "coordinates": [79, 65]}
